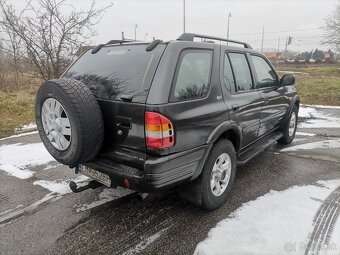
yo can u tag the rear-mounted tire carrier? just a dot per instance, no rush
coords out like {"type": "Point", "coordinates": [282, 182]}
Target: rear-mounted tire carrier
{"type": "Point", "coordinates": [84, 114]}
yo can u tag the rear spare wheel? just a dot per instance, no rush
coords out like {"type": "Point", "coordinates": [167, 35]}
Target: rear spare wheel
{"type": "Point", "coordinates": [69, 121]}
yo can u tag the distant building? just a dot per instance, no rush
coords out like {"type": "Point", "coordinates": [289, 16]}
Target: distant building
{"type": "Point", "coordinates": [273, 55]}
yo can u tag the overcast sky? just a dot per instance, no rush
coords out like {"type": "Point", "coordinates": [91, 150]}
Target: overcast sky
{"type": "Point", "coordinates": [163, 19]}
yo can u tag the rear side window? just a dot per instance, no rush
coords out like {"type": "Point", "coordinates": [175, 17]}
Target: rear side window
{"type": "Point", "coordinates": [241, 71]}
{"type": "Point", "coordinates": [193, 74]}
{"type": "Point", "coordinates": [228, 77]}
{"type": "Point", "coordinates": [117, 70]}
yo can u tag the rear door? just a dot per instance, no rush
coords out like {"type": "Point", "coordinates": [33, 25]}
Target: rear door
{"type": "Point", "coordinates": [274, 102]}
{"type": "Point", "coordinates": [120, 78]}
{"type": "Point", "coordinates": [243, 101]}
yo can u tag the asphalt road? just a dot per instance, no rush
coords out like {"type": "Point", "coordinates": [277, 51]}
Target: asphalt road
{"type": "Point", "coordinates": [39, 214]}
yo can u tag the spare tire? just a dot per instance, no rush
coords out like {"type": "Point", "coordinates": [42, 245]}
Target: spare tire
{"type": "Point", "coordinates": [69, 121]}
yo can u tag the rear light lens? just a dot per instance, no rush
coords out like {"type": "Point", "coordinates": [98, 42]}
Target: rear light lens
{"type": "Point", "coordinates": [159, 131]}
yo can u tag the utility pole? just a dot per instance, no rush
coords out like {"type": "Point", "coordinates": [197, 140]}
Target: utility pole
{"type": "Point", "coordinates": [262, 39]}
{"type": "Point", "coordinates": [229, 16]}
{"type": "Point", "coordinates": [278, 45]}
{"type": "Point", "coordinates": [136, 32]}
{"type": "Point", "coordinates": [183, 16]}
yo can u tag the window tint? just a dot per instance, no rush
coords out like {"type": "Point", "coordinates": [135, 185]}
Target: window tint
{"type": "Point", "coordinates": [241, 71]}
{"type": "Point", "coordinates": [228, 77]}
{"type": "Point", "coordinates": [193, 75]}
{"type": "Point", "coordinates": [116, 70]}
{"type": "Point", "coordinates": [265, 74]}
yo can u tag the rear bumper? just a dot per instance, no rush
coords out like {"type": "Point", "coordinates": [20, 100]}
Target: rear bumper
{"type": "Point", "coordinates": [160, 173]}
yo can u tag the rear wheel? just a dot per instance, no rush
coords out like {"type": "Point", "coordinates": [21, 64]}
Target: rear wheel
{"type": "Point", "coordinates": [289, 129]}
{"type": "Point", "coordinates": [212, 188]}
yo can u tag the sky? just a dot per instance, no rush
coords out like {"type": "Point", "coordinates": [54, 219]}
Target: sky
{"type": "Point", "coordinates": [163, 19]}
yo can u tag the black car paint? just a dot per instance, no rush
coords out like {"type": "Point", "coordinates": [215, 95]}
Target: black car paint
{"type": "Point", "coordinates": [198, 123]}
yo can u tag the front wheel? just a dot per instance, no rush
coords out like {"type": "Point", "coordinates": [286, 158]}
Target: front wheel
{"type": "Point", "coordinates": [289, 129]}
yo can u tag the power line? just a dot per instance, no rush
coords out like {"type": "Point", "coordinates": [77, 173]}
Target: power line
{"type": "Point", "coordinates": [282, 31]}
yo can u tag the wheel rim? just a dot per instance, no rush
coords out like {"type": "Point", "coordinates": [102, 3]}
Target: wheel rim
{"type": "Point", "coordinates": [56, 124]}
{"type": "Point", "coordinates": [220, 174]}
{"type": "Point", "coordinates": [292, 124]}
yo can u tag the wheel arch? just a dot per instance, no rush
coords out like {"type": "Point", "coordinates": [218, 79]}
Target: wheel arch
{"type": "Point", "coordinates": [227, 130]}
{"type": "Point", "coordinates": [294, 102]}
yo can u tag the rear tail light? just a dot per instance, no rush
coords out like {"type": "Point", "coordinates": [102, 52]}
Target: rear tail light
{"type": "Point", "coordinates": [159, 131]}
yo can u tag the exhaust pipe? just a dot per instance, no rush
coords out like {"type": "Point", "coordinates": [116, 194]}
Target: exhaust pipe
{"type": "Point", "coordinates": [142, 196]}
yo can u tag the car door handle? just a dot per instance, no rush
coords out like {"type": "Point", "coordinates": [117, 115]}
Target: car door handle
{"type": "Point", "coordinates": [235, 107]}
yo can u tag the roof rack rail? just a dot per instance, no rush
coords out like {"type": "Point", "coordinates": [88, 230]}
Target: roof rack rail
{"type": "Point", "coordinates": [119, 41]}
{"type": "Point", "coordinates": [99, 46]}
{"type": "Point", "coordinates": [153, 45]}
{"type": "Point", "coordinates": [190, 37]}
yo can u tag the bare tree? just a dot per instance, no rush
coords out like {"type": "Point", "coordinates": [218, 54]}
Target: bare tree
{"type": "Point", "coordinates": [48, 32]}
{"type": "Point", "coordinates": [333, 29]}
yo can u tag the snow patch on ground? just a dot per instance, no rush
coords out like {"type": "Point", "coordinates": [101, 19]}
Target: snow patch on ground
{"type": "Point", "coordinates": [60, 187]}
{"type": "Point", "coordinates": [48, 167]}
{"type": "Point", "coordinates": [304, 134]}
{"type": "Point", "coordinates": [317, 119]}
{"type": "Point", "coordinates": [19, 135]}
{"type": "Point", "coordinates": [107, 195]}
{"type": "Point", "coordinates": [16, 159]}
{"type": "Point", "coordinates": [143, 244]}
{"type": "Point", "coordinates": [276, 223]}
{"type": "Point", "coordinates": [326, 144]}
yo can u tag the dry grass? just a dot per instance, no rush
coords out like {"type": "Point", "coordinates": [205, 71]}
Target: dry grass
{"type": "Point", "coordinates": [17, 105]}
{"type": "Point", "coordinates": [321, 84]}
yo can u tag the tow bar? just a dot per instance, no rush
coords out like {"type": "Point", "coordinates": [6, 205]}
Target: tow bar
{"type": "Point", "coordinates": [91, 185]}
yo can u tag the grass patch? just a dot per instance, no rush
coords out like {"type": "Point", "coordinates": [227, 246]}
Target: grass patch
{"type": "Point", "coordinates": [319, 85]}
{"type": "Point", "coordinates": [17, 108]}
{"type": "Point", "coordinates": [17, 102]}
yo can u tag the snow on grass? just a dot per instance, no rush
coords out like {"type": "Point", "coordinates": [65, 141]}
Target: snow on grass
{"type": "Point", "coordinates": [19, 135]}
{"type": "Point", "coordinates": [326, 144]}
{"type": "Point", "coordinates": [26, 127]}
{"type": "Point", "coordinates": [317, 118]}
{"type": "Point", "coordinates": [107, 195]}
{"type": "Point", "coordinates": [323, 106]}
{"type": "Point", "coordinates": [16, 159]}
{"type": "Point", "coordinates": [276, 223]}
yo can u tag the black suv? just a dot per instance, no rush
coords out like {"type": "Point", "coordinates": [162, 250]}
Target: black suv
{"type": "Point", "coordinates": [182, 113]}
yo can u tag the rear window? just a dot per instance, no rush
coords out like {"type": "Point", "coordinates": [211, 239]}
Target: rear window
{"type": "Point", "coordinates": [117, 71]}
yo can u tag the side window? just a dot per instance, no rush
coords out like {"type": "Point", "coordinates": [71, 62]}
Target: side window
{"type": "Point", "coordinates": [193, 74]}
{"type": "Point", "coordinates": [265, 74]}
{"type": "Point", "coordinates": [228, 77]}
{"type": "Point", "coordinates": [241, 71]}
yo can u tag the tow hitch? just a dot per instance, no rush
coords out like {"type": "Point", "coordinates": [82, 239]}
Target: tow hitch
{"type": "Point", "coordinates": [91, 185]}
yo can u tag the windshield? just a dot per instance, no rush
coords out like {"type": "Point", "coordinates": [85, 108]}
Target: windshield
{"type": "Point", "coordinates": [117, 71]}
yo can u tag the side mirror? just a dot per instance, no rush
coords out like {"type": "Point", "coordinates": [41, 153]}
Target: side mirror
{"type": "Point", "coordinates": [287, 80]}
